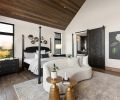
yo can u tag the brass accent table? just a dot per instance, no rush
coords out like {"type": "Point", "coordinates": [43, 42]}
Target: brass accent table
{"type": "Point", "coordinates": [54, 90]}
{"type": "Point", "coordinates": [69, 92]}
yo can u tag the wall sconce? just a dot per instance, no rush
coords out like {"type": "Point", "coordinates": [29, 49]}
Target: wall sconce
{"type": "Point", "coordinates": [30, 37]}
{"type": "Point", "coordinates": [36, 39]}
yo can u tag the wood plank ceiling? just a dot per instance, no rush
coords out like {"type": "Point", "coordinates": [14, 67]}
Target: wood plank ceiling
{"type": "Point", "coordinates": [52, 13]}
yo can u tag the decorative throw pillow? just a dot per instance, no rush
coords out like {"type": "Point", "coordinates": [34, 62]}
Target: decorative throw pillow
{"type": "Point", "coordinates": [29, 55]}
{"type": "Point", "coordinates": [50, 54]}
{"type": "Point", "coordinates": [42, 51]}
{"type": "Point", "coordinates": [80, 60]}
{"type": "Point", "coordinates": [73, 62]}
{"type": "Point", "coordinates": [44, 56]}
{"type": "Point", "coordinates": [36, 55]}
{"type": "Point", "coordinates": [85, 60]}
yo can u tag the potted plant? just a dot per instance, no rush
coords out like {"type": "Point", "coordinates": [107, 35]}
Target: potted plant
{"type": "Point", "coordinates": [54, 72]}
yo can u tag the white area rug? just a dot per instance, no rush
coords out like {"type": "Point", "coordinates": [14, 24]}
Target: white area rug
{"type": "Point", "coordinates": [30, 90]}
{"type": "Point", "coordinates": [100, 87]}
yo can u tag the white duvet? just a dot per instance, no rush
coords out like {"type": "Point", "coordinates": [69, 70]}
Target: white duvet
{"type": "Point", "coordinates": [34, 63]}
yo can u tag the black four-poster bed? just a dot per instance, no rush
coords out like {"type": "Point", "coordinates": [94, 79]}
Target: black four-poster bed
{"type": "Point", "coordinates": [39, 56]}
{"type": "Point", "coordinates": [33, 49]}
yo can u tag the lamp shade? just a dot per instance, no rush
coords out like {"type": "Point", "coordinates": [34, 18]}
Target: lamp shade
{"type": "Point", "coordinates": [58, 46]}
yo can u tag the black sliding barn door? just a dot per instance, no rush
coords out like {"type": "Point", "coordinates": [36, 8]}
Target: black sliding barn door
{"type": "Point", "coordinates": [96, 47]}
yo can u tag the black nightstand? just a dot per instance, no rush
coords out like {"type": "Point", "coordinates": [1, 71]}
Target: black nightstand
{"type": "Point", "coordinates": [59, 55]}
{"type": "Point", "coordinates": [9, 66]}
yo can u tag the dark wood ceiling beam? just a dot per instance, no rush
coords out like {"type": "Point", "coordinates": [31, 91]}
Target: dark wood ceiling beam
{"type": "Point", "coordinates": [42, 22]}
{"type": "Point", "coordinates": [47, 15]}
{"type": "Point", "coordinates": [51, 11]}
{"type": "Point", "coordinates": [29, 13]}
{"type": "Point", "coordinates": [35, 5]}
{"type": "Point", "coordinates": [79, 3]}
{"type": "Point", "coordinates": [58, 7]}
{"type": "Point", "coordinates": [18, 14]}
{"type": "Point", "coordinates": [65, 5]}
{"type": "Point", "coordinates": [75, 3]}
{"type": "Point", "coordinates": [29, 19]}
{"type": "Point", "coordinates": [70, 4]}
{"type": "Point", "coordinates": [14, 8]}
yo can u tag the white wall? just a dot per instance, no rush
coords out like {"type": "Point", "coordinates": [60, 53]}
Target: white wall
{"type": "Point", "coordinates": [94, 14]}
{"type": "Point", "coordinates": [26, 28]}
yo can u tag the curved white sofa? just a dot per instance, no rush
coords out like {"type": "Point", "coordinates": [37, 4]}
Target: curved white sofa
{"type": "Point", "coordinates": [69, 65]}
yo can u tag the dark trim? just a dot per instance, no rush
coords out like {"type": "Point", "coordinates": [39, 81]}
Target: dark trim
{"type": "Point", "coordinates": [57, 39]}
{"type": "Point", "coordinates": [39, 58]}
{"type": "Point", "coordinates": [32, 49]}
{"type": "Point", "coordinates": [8, 24]}
{"type": "Point", "coordinates": [111, 72]}
{"type": "Point", "coordinates": [13, 40]}
{"type": "Point", "coordinates": [22, 50]}
{"type": "Point", "coordinates": [58, 33]}
{"type": "Point", "coordinates": [5, 33]}
{"type": "Point", "coordinates": [50, 45]}
{"type": "Point", "coordinates": [11, 34]}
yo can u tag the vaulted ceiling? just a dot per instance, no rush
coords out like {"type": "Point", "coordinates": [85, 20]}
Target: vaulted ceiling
{"type": "Point", "coordinates": [52, 13]}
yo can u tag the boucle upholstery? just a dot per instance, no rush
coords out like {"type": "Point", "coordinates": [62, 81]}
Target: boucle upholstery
{"type": "Point", "coordinates": [71, 67]}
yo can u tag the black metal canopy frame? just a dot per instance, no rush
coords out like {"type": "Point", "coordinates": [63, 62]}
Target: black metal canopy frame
{"type": "Point", "coordinates": [32, 49]}
{"type": "Point", "coordinates": [72, 45]}
{"type": "Point", "coordinates": [39, 58]}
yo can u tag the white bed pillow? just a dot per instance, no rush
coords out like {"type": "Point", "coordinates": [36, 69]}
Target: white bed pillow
{"type": "Point", "coordinates": [42, 56]}
{"type": "Point", "coordinates": [85, 60]}
{"type": "Point", "coordinates": [50, 54]}
{"type": "Point", "coordinates": [80, 60]}
{"type": "Point", "coordinates": [36, 55]}
{"type": "Point", "coordinates": [73, 62]}
{"type": "Point", "coordinates": [42, 52]}
{"type": "Point", "coordinates": [29, 55]}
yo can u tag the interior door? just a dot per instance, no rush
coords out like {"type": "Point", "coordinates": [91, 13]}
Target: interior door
{"type": "Point", "coordinates": [96, 47]}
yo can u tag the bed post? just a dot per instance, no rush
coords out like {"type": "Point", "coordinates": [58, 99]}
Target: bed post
{"type": "Point", "coordinates": [50, 46]}
{"type": "Point", "coordinates": [72, 45]}
{"type": "Point", "coordinates": [39, 57]}
{"type": "Point", "coordinates": [22, 51]}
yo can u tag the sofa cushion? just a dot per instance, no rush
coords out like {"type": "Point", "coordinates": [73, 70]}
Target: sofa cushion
{"type": "Point", "coordinates": [80, 60]}
{"type": "Point", "coordinates": [72, 62]}
{"type": "Point", "coordinates": [85, 60]}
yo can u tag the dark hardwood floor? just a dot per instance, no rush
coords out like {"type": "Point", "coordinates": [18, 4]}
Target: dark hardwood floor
{"type": "Point", "coordinates": [7, 91]}
{"type": "Point", "coordinates": [107, 71]}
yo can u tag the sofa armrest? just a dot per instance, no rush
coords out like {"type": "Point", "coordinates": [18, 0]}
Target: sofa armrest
{"type": "Point", "coordinates": [85, 61]}
{"type": "Point", "coordinates": [46, 72]}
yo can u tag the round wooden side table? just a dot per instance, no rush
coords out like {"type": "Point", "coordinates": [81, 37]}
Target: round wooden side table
{"type": "Point", "coordinates": [54, 90]}
{"type": "Point", "coordinates": [69, 92]}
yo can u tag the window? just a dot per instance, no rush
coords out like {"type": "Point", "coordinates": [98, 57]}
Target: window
{"type": "Point", "coordinates": [6, 40]}
{"type": "Point", "coordinates": [57, 43]}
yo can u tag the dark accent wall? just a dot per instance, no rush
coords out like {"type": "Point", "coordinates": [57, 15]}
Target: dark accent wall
{"type": "Point", "coordinates": [96, 47]}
